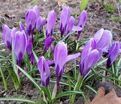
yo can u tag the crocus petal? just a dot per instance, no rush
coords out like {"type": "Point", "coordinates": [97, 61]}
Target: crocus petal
{"type": "Point", "coordinates": [91, 44]}
{"type": "Point", "coordinates": [98, 34]}
{"type": "Point", "coordinates": [76, 28]}
{"type": "Point", "coordinates": [30, 18]}
{"type": "Point", "coordinates": [44, 71]}
{"type": "Point", "coordinates": [21, 26]}
{"type": "Point", "coordinates": [13, 32]}
{"type": "Point", "coordinates": [29, 46]}
{"type": "Point", "coordinates": [105, 40]}
{"type": "Point", "coordinates": [47, 42]}
{"type": "Point", "coordinates": [36, 10]}
{"type": "Point", "coordinates": [6, 36]}
{"type": "Point", "coordinates": [64, 17]}
{"type": "Point", "coordinates": [50, 22]}
{"type": "Point", "coordinates": [89, 61]}
{"type": "Point", "coordinates": [40, 22]}
{"type": "Point", "coordinates": [72, 57]}
{"type": "Point", "coordinates": [82, 22]}
{"type": "Point", "coordinates": [82, 19]}
{"type": "Point", "coordinates": [32, 58]}
{"type": "Point", "coordinates": [70, 25]}
{"type": "Point", "coordinates": [60, 54]}
{"type": "Point", "coordinates": [19, 45]}
{"type": "Point", "coordinates": [113, 53]}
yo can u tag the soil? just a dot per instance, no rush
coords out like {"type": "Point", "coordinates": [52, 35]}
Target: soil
{"type": "Point", "coordinates": [13, 11]}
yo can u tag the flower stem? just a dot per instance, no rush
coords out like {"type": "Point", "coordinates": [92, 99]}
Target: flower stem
{"type": "Point", "coordinates": [76, 88]}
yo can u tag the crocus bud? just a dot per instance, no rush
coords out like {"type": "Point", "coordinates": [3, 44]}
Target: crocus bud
{"type": "Point", "coordinates": [90, 56]}
{"type": "Point", "coordinates": [19, 45]}
{"type": "Point", "coordinates": [64, 18]}
{"type": "Point", "coordinates": [103, 39]}
{"type": "Point", "coordinates": [70, 25]}
{"type": "Point", "coordinates": [6, 36]}
{"type": "Point", "coordinates": [61, 57]}
{"type": "Point", "coordinates": [47, 42]}
{"type": "Point", "coordinates": [30, 18]}
{"type": "Point", "coordinates": [29, 50]}
{"type": "Point", "coordinates": [40, 22]}
{"type": "Point", "coordinates": [113, 53]}
{"type": "Point", "coordinates": [51, 20]}
{"type": "Point", "coordinates": [44, 71]}
{"type": "Point", "coordinates": [82, 21]}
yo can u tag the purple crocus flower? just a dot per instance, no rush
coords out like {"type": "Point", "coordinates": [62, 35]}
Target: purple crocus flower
{"type": "Point", "coordinates": [103, 39]}
{"type": "Point", "coordinates": [113, 53]}
{"type": "Point", "coordinates": [19, 45]}
{"type": "Point", "coordinates": [29, 50]}
{"type": "Point", "coordinates": [44, 70]}
{"type": "Point", "coordinates": [64, 18]}
{"type": "Point", "coordinates": [30, 18]}
{"type": "Point", "coordinates": [90, 56]}
{"type": "Point", "coordinates": [47, 42]}
{"type": "Point", "coordinates": [69, 25]}
{"type": "Point", "coordinates": [82, 21]}
{"type": "Point", "coordinates": [40, 22]}
{"type": "Point", "coordinates": [6, 36]}
{"type": "Point", "coordinates": [50, 22]}
{"type": "Point", "coordinates": [61, 57]}
{"type": "Point", "coordinates": [13, 31]}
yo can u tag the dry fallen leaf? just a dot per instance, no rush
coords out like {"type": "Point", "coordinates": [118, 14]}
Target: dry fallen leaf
{"type": "Point", "coordinates": [101, 98]}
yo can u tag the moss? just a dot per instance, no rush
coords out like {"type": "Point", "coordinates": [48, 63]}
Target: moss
{"type": "Point", "coordinates": [110, 8]}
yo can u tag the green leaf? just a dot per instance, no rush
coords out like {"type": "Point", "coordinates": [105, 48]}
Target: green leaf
{"type": "Point", "coordinates": [118, 67]}
{"type": "Point", "coordinates": [67, 93]}
{"type": "Point", "coordinates": [89, 87]}
{"type": "Point", "coordinates": [15, 76]}
{"type": "Point", "coordinates": [83, 4]}
{"type": "Point", "coordinates": [3, 78]}
{"type": "Point", "coordinates": [29, 77]}
{"type": "Point", "coordinates": [18, 99]}
{"type": "Point", "coordinates": [100, 63]}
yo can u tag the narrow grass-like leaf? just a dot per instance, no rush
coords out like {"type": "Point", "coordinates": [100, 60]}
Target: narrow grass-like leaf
{"type": "Point", "coordinates": [89, 87]}
{"type": "Point", "coordinates": [118, 67]}
{"type": "Point", "coordinates": [68, 93]}
{"type": "Point", "coordinates": [18, 100]}
{"type": "Point", "coordinates": [83, 4]}
{"type": "Point", "coordinates": [16, 78]}
{"type": "Point", "coordinates": [29, 77]}
{"type": "Point", "coordinates": [3, 78]}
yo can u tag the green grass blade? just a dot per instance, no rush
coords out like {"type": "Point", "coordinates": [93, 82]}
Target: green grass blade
{"type": "Point", "coordinates": [29, 77]}
{"type": "Point", "coordinates": [89, 87]}
{"type": "Point", "coordinates": [83, 4]}
{"type": "Point", "coordinates": [18, 99]}
{"type": "Point", "coordinates": [15, 76]}
{"type": "Point", "coordinates": [3, 78]}
{"type": "Point", "coordinates": [68, 93]}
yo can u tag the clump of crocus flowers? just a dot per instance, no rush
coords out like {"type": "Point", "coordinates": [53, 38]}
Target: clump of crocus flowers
{"type": "Point", "coordinates": [20, 41]}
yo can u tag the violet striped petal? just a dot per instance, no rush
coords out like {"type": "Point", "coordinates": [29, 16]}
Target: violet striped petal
{"type": "Point", "coordinates": [19, 45]}
{"type": "Point", "coordinates": [44, 71]}
{"type": "Point", "coordinates": [113, 53]}
{"type": "Point", "coordinates": [51, 20]}
{"type": "Point", "coordinates": [6, 36]}
{"type": "Point", "coordinates": [64, 18]}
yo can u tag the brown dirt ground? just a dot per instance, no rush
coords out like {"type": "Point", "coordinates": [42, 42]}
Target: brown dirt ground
{"type": "Point", "coordinates": [13, 11]}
